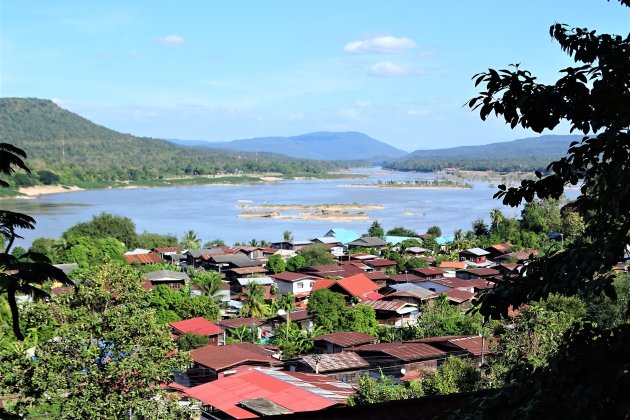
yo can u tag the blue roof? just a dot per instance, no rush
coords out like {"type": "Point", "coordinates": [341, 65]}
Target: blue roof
{"type": "Point", "coordinates": [443, 240]}
{"type": "Point", "coordinates": [345, 235]}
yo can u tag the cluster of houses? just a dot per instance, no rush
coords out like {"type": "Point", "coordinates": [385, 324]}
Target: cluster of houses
{"type": "Point", "coordinates": [244, 380]}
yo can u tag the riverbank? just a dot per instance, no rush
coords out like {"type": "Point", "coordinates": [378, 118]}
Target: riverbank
{"type": "Point", "coordinates": [36, 191]}
{"type": "Point", "coordinates": [318, 207]}
{"type": "Point", "coordinates": [331, 216]}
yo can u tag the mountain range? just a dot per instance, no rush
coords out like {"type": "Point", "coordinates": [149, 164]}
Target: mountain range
{"type": "Point", "coordinates": [323, 145]}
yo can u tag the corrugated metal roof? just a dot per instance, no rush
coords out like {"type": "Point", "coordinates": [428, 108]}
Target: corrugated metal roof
{"type": "Point", "coordinates": [168, 249]}
{"type": "Point", "coordinates": [224, 357]}
{"type": "Point", "coordinates": [198, 325]}
{"type": "Point", "coordinates": [290, 276]}
{"type": "Point", "coordinates": [346, 338]}
{"type": "Point", "coordinates": [380, 262]}
{"type": "Point", "coordinates": [247, 270]}
{"type": "Point", "coordinates": [239, 322]}
{"type": "Point", "coordinates": [476, 251]}
{"type": "Point", "coordinates": [335, 362]}
{"type": "Point", "coordinates": [472, 344]}
{"type": "Point", "coordinates": [459, 296]}
{"type": "Point", "coordinates": [143, 258]}
{"type": "Point", "coordinates": [407, 352]}
{"type": "Point", "coordinates": [388, 306]}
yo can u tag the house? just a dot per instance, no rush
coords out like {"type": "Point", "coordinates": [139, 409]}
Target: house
{"type": "Point", "coordinates": [342, 235]}
{"type": "Point", "coordinates": [477, 273]}
{"type": "Point", "coordinates": [368, 242]}
{"type": "Point", "coordinates": [518, 256]}
{"type": "Point", "coordinates": [265, 392]}
{"type": "Point", "coordinates": [172, 279]}
{"type": "Point", "coordinates": [416, 251]}
{"type": "Point", "coordinates": [428, 273]}
{"type": "Point", "coordinates": [143, 259]}
{"type": "Point", "coordinates": [211, 363]}
{"type": "Point", "coordinates": [474, 255]}
{"type": "Point", "coordinates": [251, 252]}
{"type": "Point", "coordinates": [339, 341]}
{"type": "Point", "coordinates": [233, 274]}
{"type": "Point", "coordinates": [197, 257]}
{"type": "Point", "coordinates": [459, 297]}
{"type": "Point", "coordinates": [333, 270]}
{"type": "Point", "coordinates": [380, 264]}
{"type": "Point", "coordinates": [327, 240]}
{"type": "Point", "coordinates": [358, 286]}
{"type": "Point", "coordinates": [291, 245]}
{"type": "Point", "coordinates": [224, 262]}
{"type": "Point", "coordinates": [300, 317]}
{"type": "Point", "coordinates": [200, 326]}
{"type": "Point", "coordinates": [235, 323]}
{"type": "Point", "coordinates": [498, 250]}
{"type": "Point", "coordinates": [346, 366]}
{"type": "Point", "coordinates": [393, 312]}
{"type": "Point", "coordinates": [449, 267]}
{"type": "Point", "coordinates": [381, 279]}
{"type": "Point", "coordinates": [294, 283]}
{"type": "Point", "coordinates": [410, 293]}
{"type": "Point", "coordinates": [447, 283]}
{"type": "Point", "coordinates": [168, 250]}
{"type": "Point", "coordinates": [395, 358]}
{"type": "Point", "coordinates": [466, 346]}
{"type": "Point", "coordinates": [403, 278]}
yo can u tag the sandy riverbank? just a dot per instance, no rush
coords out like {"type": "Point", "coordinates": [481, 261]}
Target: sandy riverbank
{"type": "Point", "coordinates": [407, 187]}
{"type": "Point", "coordinates": [332, 216]}
{"type": "Point", "coordinates": [317, 207]}
{"type": "Point", "coordinates": [32, 192]}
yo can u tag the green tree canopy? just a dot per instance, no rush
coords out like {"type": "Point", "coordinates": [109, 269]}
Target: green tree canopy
{"type": "Point", "coordinates": [376, 230]}
{"type": "Point", "coordinates": [276, 264]}
{"type": "Point", "coordinates": [316, 254]}
{"type": "Point", "coordinates": [106, 225]}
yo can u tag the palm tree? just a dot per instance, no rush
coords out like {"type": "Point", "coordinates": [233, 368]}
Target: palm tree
{"type": "Point", "coordinates": [209, 282]}
{"type": "Point", "coordinates": [496, 217]}
{"type": "Point", "coordinates": [10, 157]}
{"type": "Point", "coordinates": [254, 301]}
{"type": "Point", "coordinates": [26, 275]}
{"type": "Point", "coordinates": [190, 240]}
{"type": "Point", "coordinates": [287, 236]}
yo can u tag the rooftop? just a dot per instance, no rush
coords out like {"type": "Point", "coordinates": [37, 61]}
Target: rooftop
{"type": "Point", "coordinates": [198, 325]}
{"type": "Point", "coordinates": [143, 258]}
{"type": "Point", "coordinates": [221, 358]}
{"type": "Point", "coordinates": [346, 338]}
{"type": "Point", "coordinates": [368, 241]}
{"type": "Point", "coordinates": [346, 360]}
{"type": "Point", "coordinates": [404, 351]}
{"type": "Point", "coordinates": [476, 251]}
{"type": "Point", "coordinates": [290, 276]}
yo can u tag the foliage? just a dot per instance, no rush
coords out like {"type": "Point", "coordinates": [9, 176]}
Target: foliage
{"type": "Point", "coordinates": [89, 251]}
{"type": "Point", "coordinates": [434, 231]}
{"type": "Point", "coordinates": [148, 240]}
{"type": "Point", "coordinates": [276, 264]}
{"type": "Point", "coordinates": [244, 333]}
{"type": "Point", "coordinates": [107, 359]}
{"type": "Point", "coordinates": [190, 240]}
{"type": "Point", "coordinates": [106, 225]}
{"type": "Point", "coordinates": [293, 341]}
{"type": "Point", "coordinates": [316, 254]}
{"type": "Point", "coordinates": [209, 282]}
{"type": "Point", "coordinates": [254, 301]}
{"type": "Point", "coordinates": [376, 230]}
{"type": "Point", "coordinates": [287, 236]}
{"type": "Point", "coordinates": [401, 231]}
{"type": "Point", "coordinates": [360, 318]}
{"type": "Point", "coordinates": [593, 98]}
{"type": "Point", "coordinates": [439, 318]}
{"type": "Point", "coordinates": [454, 375]}
{"type": "Point", "coordinates": [190, 341]}
{"type": "Point", "coordinates": [326, 308]}
{"type": "Point", "coordinates": [381, 389]}
{"type": "Point", "coordinates": [296, 263]}
{"type": "Point", "coordinates": [480, 228]}
{"type": "Point", "coordinates": [174, 305]}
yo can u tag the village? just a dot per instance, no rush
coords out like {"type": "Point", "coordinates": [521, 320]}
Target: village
{"type": "Point", "coordinates": [238, 369]}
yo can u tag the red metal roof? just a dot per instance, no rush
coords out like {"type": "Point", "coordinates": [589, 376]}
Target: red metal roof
{"type": "Point", "coordinates": [239, 322]}
{"type": "Point", "coordinates": [377, 275]}
{"type": "Point", "coordinates": [325, 267]}
{"type": "Point", "coordinates": [198, 325]}
{"type": "Point", "coordinates": [482, 272]}
{"type": "Point", "coordinates": [458, 265]}
{"type": "Point", "coordinates": [472, 344]}
{"type": "Point", "coordinates": [346, 338]}
{"type": "Point", "coordinates": [407, 352]}
{"type": "Point", "coordinates": [405, 277]}
{"type": "Point", "coordinates": [371, 296]}
{"type": "Point", "coordinates": [385, 305]}
{"type": "Point", "coordinates": [380, 262]}
{"type": "Point", "coordinates": [300, 315]}
{"type": "Point", "coordinates": [149, 258]}
{"type": "Point", "coordinates": [459, 296]}
{"type": "Point", "coordinates": [289, 390]}
{"type": "Point", "coordinates": [220, 358]}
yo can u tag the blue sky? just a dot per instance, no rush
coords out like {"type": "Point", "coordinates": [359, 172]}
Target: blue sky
{"type": "Point", "coordinates": [398, 71]}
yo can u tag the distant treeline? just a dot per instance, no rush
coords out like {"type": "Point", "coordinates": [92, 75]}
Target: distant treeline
{"type": "Point", "coordinates": [497, 164]}
{"type": "Point", "coordinates": [63, 147]}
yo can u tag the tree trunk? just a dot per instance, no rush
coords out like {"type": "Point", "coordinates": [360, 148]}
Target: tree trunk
{"type": "Point", "coordinates": [14, 312]}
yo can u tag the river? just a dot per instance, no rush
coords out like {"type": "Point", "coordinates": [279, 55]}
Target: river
{"type": "Point", "coordinates": [211, 211]}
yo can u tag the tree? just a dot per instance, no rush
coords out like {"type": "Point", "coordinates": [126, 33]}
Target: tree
{"type": "Point", "coordinates": [287, 236]}
{"type": "Point", "coordinates": [190, 240]}
{"type": "Point", "coordinates": [149, 240]}
{"type": "Point", "coordinates": [376, 230]}
{"type": "Point", "coordinates": [480, 228]}
{"type": "Point", "coordinates": [454, 375]}
{"type": "Point", "coordinates": [316, 254]}
{"type": "Point", "coordinates": [107, 359]}
{"type": "Point", "coordinates": [296, 263]}
{"type": "Point", "coordinates": [360, 318]}
{"type": "Point", "coordinates": [254, 301]}
{"type": "Point", "coordinates": [381, 389]}
{"type": "Point", "coordinates": [11, 157]}
{"type": "Point", "coordinates": [190, 341]}
{"type": "Point", "coordinates": [592, 98]}
{"type": "Point", "coordinates": [214, 242]}
{"type": "Point", "coordinates": [401, 231]}
{"type": "Point", "coordinates": [327, 309]}
{"type": "Point", "coordinates": [434, 231]}
{"type": "Point", "coordinates": [209, 282]}
{"type": "Point", "coordinates": [276, 264]}
{"type": "Point", "coordinates": [496, 217]}
{"type": "Point", "coordinates": [440, 318]}
{"type": "Point", "coordinates": [106, 225]}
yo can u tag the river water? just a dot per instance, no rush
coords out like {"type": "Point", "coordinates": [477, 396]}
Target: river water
{"type": "Point", "coordinates": [211, 211]}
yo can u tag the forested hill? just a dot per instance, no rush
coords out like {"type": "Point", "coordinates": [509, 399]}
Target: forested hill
{"type": "Point", "coordinates": [323, 145]}
{"type": "Point", "coordinates": [518, 155]}
{"type": "Point", "coordinates": [80, 151]}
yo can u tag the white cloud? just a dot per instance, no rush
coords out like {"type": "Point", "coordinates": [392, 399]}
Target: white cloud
{"type": "Point", "coordinates": [417, 112]}
{"type": "Point", "coordinates": [171, 40]}
{"type": "Point", "coordinates": [298, 116]}
{"type": "Point", "coordinates": [351, 114]}
{"type": "Point", "coordinates": [363, 104]}
{"type": "Point", "coordinates": [382, 44]}
{"type": "Point", "coordinates": [387, 69]}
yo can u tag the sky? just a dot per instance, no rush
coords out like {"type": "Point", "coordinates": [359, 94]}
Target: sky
{"type": "Point", "coordinates": [399, 71]}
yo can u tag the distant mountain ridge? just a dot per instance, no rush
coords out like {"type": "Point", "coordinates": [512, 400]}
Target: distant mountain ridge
{"type": "Point", "coordinates": [526, 154]}
{"type": "Point", "coordinates": [80, 151]}
{"type": "Point", "coordinates": [322, 145]}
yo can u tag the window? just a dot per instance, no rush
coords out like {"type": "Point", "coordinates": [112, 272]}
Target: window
{"type": "Point", "coordinates": [299, 285]}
